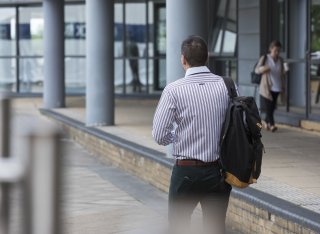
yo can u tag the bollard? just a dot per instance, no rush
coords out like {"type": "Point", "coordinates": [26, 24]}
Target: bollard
{"type": "Point", "coordinates": [4, 153]}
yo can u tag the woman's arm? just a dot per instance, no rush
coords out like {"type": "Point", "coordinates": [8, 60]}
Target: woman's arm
{"type": "Point", "coordinates": [262, 68]}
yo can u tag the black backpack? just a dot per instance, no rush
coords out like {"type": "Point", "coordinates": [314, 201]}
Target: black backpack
{"type": "Point", "coordinates": [241, 148]}
{"type": "Point", "coordinates": [256, 78]}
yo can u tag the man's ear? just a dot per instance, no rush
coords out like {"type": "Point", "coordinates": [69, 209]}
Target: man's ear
{"type": "Point", "coordinates": [183, 61]}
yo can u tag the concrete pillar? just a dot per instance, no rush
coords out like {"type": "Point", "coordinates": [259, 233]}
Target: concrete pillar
{"type": "Point", "coordinates": [54, 88]}
{"type": "Point", "coordinates": [100, 63]}
{"type": "Point", "coordinates": [184, 18]}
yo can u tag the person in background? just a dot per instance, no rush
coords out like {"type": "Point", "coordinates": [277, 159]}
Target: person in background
{"type": "Point", "coordinates": [272, 82]}
{"type": "Point", "coordinates": [133, 53]}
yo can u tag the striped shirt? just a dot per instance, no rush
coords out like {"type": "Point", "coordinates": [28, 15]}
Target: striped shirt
{"type": "Point", "coordinates": [190, 114]}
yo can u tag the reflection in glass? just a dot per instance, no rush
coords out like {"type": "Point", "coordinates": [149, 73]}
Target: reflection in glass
{"type": "Point", "coordinates": [151, 24]}
{"type": "Point", "coordinates": [136, 29]}
{"type": "Point", "coordinates": [31, 75]}
{"type": "Point", "coordinates": [230, 40]}
{"type": "Point", "coordinates": [118, 76]}
{"type": "Point", "coordinates": [157, 74]}
{"type": "Point", "coordinates": [7, 75]}
{"type": "Point", "coordinates": [7, 31]}
{"type": "Point", "coordinates": [218, 43]}
{"type": "Point", "coordinates": [118, 30]}
{"type": "Point", "coordinates": [31, 30]}
{"type": "Point", "coordinates": [136, 75]}
{"type": "Point", "coordinates": [161, 31]}
{"type": "Point", "coordinates": [281, 11]}
{"type": "Point", "coordinates": [75, 30]}
{"type": "Point", "coordinates": [224, 67]}
{"type": "Point", "coordinates": [75, 75]}
{"type": "Point", "coordinates": [223, 38]}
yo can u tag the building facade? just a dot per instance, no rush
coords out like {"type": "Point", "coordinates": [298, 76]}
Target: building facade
{"type": "Point", "coordinates": [146, 36]}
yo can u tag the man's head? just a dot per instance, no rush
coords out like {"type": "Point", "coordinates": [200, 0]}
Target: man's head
{"type": "Point", "coordinates": [194, 52]}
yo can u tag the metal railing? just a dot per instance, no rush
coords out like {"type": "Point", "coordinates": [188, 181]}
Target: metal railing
{"type": "Point", "coordinates": [35, 169]}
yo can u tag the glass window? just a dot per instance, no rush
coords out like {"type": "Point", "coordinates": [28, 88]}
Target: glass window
{"type": "Point", "coordinates": [31, 75]}
{"type": "Point", "coordinates": [7, 75]}
{"type": "Point", "coordinates": [135, 29]}
{"type": "Point", "coordinates": [224, 67]}
{"type": "Point", "coordinates": [7, 48]}
{"type": "Point", "coordinates": [75, 30]}
{"type": "Point", "coordinates": [281, 23]}
{"type": "Point", "coordinates": [31, 30]}
{"type": "Point", "coordinates": [136, 75]}
{"type": "Point", "coordinates": [151, 18]}
{"type": "Point", "coordinates": [229, 44]}
{"type": "Point", "coordinates": [118, 76]}
{"type": "Point", "coordinates": [157, 74]}
{"type": "Point", "coordinates": [135, 47]}
{"type": "Point", "coordinates": [223, 37]}
{"type": "Point", "coordinates": [161, 31]}
{"type": "Point", "coordinates": [118, 30]}
{"type": "Point", "coordinates": [75, 74]}
{"type": "Point", "coordinates": [7, 31]}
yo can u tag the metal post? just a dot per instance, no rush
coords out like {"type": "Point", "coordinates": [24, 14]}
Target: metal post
{"type": "Point", "coordinates": [147, 45]}
{"type": "Point", "coordinates": [4, 153]}
{"type": "Point", "coordinates": [100, 63]}
{"type": "Point", "coordinates": [17, 51]}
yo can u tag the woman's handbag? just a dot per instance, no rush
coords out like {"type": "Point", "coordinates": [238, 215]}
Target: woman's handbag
{"type": "Point", "coordinates": [256, 78]}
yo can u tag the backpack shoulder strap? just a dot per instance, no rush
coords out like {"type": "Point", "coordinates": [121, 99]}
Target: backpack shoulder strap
{"type": "Point", "coordinates": [232, 91]}
{"type": "Point", "coordinates": [264, 59]}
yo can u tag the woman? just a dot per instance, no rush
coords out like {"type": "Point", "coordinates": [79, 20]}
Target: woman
{"type": "Point", "coordinates": [272, 82]}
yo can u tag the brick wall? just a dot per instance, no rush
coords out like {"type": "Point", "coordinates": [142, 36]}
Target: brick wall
{"type": "Point", "coordinates": [248, 218]}
{"type": "Point", "coordinates": [242, 216]}
{"type": "Point", "coordinates": [146, 169]}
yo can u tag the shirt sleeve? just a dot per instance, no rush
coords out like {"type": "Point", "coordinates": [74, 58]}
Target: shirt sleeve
{"type": "Point", "coordinates": [164, 118]}
{"type": "Point", "coordinates": [262, 68]}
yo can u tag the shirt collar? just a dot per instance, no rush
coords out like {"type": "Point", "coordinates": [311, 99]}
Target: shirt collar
{"type": "Point", "coordinates": [194, 70]}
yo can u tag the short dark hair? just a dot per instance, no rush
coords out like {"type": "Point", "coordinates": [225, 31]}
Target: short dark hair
{"type": "Point", "coordinates": [195, 51]}
{"type": "Point", "coordinates": [275, 43]}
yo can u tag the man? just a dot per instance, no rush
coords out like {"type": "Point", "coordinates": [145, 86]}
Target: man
{"type": "Point", "coordinates": [190, 115]}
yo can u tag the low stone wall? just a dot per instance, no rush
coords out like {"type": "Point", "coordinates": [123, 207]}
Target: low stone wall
{"type": "Point", "coordinates": [249, 218]}
{"type": "Point", "coordinates": [246, 213]}
{"type": "Point", "coordinates": [147, 169]}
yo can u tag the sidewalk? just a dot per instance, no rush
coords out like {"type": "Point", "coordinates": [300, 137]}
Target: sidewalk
{"type": "Point", "coordinates": [101, 199]}
{"type": "Point", "coordinates": [96, 198]}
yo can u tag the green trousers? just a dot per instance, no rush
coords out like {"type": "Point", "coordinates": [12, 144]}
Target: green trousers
{"type": "Point", "coordinates": [192, 185]}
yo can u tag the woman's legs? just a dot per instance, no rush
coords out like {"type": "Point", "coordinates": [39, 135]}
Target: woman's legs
{"type": "Point", "coordinates": [269, 113]}
{"type": "Point", "coordinates": [273, 106]}
{"type": "Point", "coordinates": [270, 107]}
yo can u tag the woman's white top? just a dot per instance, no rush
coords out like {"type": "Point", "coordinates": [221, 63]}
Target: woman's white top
{"type": "Point", "coordinates": [275, 73]}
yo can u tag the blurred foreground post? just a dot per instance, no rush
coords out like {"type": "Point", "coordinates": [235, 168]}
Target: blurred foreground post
{"type": "Point", "coordinates": [43, 151]}
{"type": "Point", "coordinates": [36, 170]}
{"type": "Point", "coordinates": [4, 153]}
